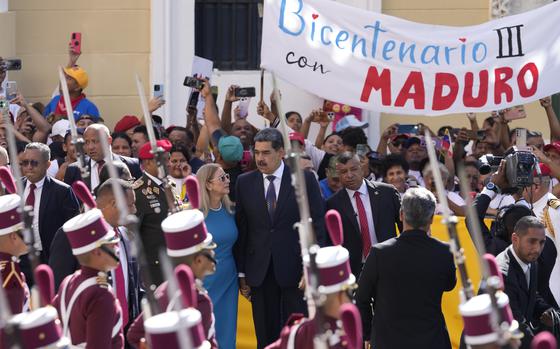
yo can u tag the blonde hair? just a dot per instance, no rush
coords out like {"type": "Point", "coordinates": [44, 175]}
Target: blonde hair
{"type": "Point", "coordinates": [204, 174]}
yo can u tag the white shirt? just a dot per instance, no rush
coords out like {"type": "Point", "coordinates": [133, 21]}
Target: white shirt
{"type": "Point", "coordinates": [364, 196]}
{"type": "Point", "coordinates": [314, 153]}
{"type": "Point", "coordinates": [94, 175]}
{"type": "Point", "coordinates": [178, 187]}
{"type": "Point", "coordinates": [418, 176]}
{"type": "Point", "coordinates": [277, 180]}
{"type": "Point", "coordinates": [53, 168]}
{"type": "Point", "coordinates": [36, 206]}
{"type": "Point", "coordinates": [524, 266]}
{"type": "Point", "coordinates": [453, 197]}
{"type": "Point", "coordinates": [123, 263]}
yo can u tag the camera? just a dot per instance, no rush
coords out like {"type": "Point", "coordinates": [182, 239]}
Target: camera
{"type": "Point", "coordinates": [519, 166]}
{"type": "Point", "coordinates": [193, 82]}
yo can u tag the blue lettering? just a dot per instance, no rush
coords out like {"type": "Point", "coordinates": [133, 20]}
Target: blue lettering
{"type": "Point", "coordinates": [376, 30]}
{"type": "Point", "coordinates": [447, 53]}
{"type": "Point", "coordinates": [356, 42]}
{"type": "Point", "coordinates": [463, 53]}
{"type": "Point", "coordinates": [435, 55]}
{"type": "Point", "coordinates": [323, 40]}
{"type": "Point", "coordinates": [341, 37]}
{"type": "Point", "coordinates": [409, 50]}
{"type": "Point", "coordinates": [388, 47]}
{"type": "Point", "coordinates": [475, 50]}
{"type": "Point", "coordinates": [281, 22]}
{"type": "Point", "coordinates": [312, 31]}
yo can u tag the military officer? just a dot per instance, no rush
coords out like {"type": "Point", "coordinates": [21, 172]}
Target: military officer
{"type": "Point", "coordinates": [11, 247]}
{"type": "Point", "coordinates": [188, 242]}
{"type": "Point", "coordinates": [151, 207]}
{"type": "Point", "coordinates": [90, 313]}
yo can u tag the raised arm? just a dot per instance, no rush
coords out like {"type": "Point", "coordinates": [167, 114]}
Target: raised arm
{"type": "Point", "coordinates": [43, 127]}
{"type": "Point", "coordinates": [553, 122]}
{"type": "Point", "coordinates": [226, 111]}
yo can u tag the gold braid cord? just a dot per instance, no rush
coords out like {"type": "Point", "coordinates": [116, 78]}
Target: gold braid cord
{"type": "Point", "coordinates": [548, 222]}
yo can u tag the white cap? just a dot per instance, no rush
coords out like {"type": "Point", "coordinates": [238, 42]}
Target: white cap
{"type": "Point", "coordinates": [349, 120]}
{"type": "Point", "coordinates": [60, 128]}
{"type": "Point", "coordinates": [10, 219]}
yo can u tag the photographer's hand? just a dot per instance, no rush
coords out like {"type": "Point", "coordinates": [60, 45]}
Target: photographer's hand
{"type": "Point", "coordinates": [499, 177]}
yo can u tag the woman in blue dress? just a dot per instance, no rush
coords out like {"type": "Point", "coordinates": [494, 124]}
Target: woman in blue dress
{"type": "Point", "coordinates": [220, 221]}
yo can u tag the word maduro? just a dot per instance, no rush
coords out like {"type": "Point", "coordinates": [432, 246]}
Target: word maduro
{"type": "Point", "coordinates": [446, 87]}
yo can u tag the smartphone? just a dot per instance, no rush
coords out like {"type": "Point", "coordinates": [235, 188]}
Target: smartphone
{"type": "Point", "coordinates": [11, 90]}
{"type": "Point", "coordinates": [214, 90]}
{"type": "Point", "coordinates": [13, 64]}
{"type": "Point", "coordinates": [408, 129]}
{"type": "Point", "coordinates": [245, 92]}
{"type": "Point", "coordinates": [158, 90]}
{"type": "Point", "coordinates": [193, 82]}
{"type": "Point", "coordinates": [515, 113]}
{"type": "Point", "coordinates": [193, 99]}
{"type": "Point", "coordinates": [244, 107]}
{"type": "Point", "coordinates": [76, 43]}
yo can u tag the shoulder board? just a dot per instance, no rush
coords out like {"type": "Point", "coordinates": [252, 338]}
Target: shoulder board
{"type": "Point", "coordinates": [3, 265]}
{"type": "Point", "coordinates": [102, 281]}
{"type": "Point", "coordinates": [138, 183]}
{"type": "Point", "coordinates": [554, 203]}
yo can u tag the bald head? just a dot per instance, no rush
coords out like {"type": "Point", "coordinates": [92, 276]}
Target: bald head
{"type": "Point", "coordinates": [93, 145]}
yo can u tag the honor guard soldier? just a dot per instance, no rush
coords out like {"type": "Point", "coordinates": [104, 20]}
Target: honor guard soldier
{"type": "Point", "coordinates": [152, 207]}
{"type": "Point", "coordinates": [189, 243]}
{"type": "Point", "coordinates": [340, 319]}
{"type": "Point", "coordinates": [11, 247]}
{"type": "Point", "coordinates": [91, 315]}
{"type": "Point", "coordinates": [40, 328]}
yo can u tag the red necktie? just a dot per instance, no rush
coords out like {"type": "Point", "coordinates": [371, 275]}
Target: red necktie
{"type": "Point", "coordinates": [364, 227]}
{"type": "Point", "coordinates": [121, 292]}
{"type": "Point", "coordinates": [30, 200]}
{"type": "Point", "coordinates": [100, 164]}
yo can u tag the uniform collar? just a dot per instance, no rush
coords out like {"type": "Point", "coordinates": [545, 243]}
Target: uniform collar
{"type": "Point", "coordinates": [7, 257]}
{"type": "Point", "coordinates": [90, 272]}
{"type": "Point", "coordinates": [156, 180]}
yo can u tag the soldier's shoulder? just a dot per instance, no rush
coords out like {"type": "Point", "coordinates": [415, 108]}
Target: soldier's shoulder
{"type": "Point", "coordinates": [138, 183]}
{"type": "Point", "coordinates": [554, 203]}
{"type": "Point", "coordinates": [11, 276]}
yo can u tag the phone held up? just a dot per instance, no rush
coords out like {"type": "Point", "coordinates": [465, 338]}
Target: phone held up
{"type": "Point", "coordinates": [76, 43]}
{"type": "Point", "coordinates": [158, 91]}
{"type": "Point", "coordinates": [193, 82]}
{"type": "Point", "coordinates": [245, 92]}
{"type": "Point", "coordinates": [12, 64]}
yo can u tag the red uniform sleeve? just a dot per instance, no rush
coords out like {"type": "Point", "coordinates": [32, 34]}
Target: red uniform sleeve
{"type": "Point", "coordinates": [102, 314]}
{"type": "Point", "coordinates": [136, 331]}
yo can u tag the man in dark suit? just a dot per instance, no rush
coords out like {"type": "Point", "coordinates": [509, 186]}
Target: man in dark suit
{"type": "Point", "coordinates": [518, 264]}
{"type": "Point", "coordinates": [267, 252]}
{"type": "Point", "coordinates": [369, 210]}
{"type": "Point", "coordinates": [53, 201]}
{"type": "Point", "coordinates": [64, 263]}
{"type": "Point", "coordinates": [403, 280]}
{"type": "Point", "coordinates": [95, 160]}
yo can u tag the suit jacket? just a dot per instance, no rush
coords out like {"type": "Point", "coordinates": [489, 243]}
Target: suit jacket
{"type": "Point", "coordinates": [525, 302]}
{"type": "Point", "coordinates": [385, 206]}
{"type": "Point", "coordinates": [492, 243]}
{"type": "Point", "coordinates": [404, 279]}
{"type": "Point", "coordinates": [262, 240]}
{"type": "Point", "coordinates": [73, 172]}
{"type": "Point", "coordinates": [546, 262]}
{"type": "Point", "coordinates": [64, 263]}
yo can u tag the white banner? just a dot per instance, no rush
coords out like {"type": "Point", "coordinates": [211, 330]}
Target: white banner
{"type": "Point", "coordinates": [382, 63]}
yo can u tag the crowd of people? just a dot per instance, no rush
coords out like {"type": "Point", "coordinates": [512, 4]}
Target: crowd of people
{"type": "Point", "coordinates": [239, 236]}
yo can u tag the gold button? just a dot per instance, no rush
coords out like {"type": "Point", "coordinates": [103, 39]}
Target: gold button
{"type": "Point", "coordinates": [341, 273]}
{"type": "Point", "coordinates": [12, 217]}
{"type": "Point", "coordinates": [92, 232]}
{"type": "Point", "coordinates": [42, 336]}
{"type": "Point", "coordinates": [195, 236]}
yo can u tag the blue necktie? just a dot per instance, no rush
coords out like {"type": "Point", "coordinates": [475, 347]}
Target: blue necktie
{"type": "Point", "coordinates": [271, 196]}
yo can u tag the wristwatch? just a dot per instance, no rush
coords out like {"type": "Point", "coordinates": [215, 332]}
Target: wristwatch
{"type": "Point", "coordinates": [493, 187]}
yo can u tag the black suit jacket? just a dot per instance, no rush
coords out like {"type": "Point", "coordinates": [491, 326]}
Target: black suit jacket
{"type": "Point", "coordinates": [73, 172]}
{"type": "Point", "coordinates": [64, 263]}
{"type": "Point", "coordinates": [525, 302]}
{"type": "Point", "coordinates": [385, 206]}
{"type": "Point", "coordinates": [262, 240]}
{"type": "Point", "coordinates": [404, 279]}
{"type": "Point", "coordinates": [492, 243]}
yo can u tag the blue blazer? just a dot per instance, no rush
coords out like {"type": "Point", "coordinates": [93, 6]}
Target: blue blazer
{"type": "Point", "coordinates": [261, 240]}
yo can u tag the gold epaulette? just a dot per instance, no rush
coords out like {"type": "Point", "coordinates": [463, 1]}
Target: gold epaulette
{"type": "Point", "coordinates": [102, 280]}
{"type": "Point", "coordinates": [138, 183]}
{"type": "Point", "coordinates": [10, 266]}
{"type": "Point", "coordinates": [554, 203]}
{"type": "Point", "coordinates": [547, 221]}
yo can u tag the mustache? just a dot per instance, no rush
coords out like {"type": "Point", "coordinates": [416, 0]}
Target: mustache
{"type": "Point", "coordinates": [261, 163]}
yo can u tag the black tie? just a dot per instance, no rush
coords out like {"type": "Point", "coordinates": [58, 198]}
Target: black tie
{"type": "Point", "coordinates": [271, 196]}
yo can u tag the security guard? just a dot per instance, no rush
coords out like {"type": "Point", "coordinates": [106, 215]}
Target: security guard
{"type": "Point", "coordinates": [152, 207]}
{"type": "Point", "coordinates": [546, 207]}
{"type": "Point", "coordinates": [11, 247]}
{"type": "Point", "coordinates": [88, 309]}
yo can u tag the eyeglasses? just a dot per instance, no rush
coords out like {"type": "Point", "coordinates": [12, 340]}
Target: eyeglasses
{"type": "Point", "coordinates": [25, 163]}
{"type": "Point", "coordinates": [222, 178]}
{"type": "Point", "coordinates": [210, 257]}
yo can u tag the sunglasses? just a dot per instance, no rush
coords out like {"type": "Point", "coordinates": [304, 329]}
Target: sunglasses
{"type": "Point", "coordinates": [222, 178]}
{"type": "Point", "coordinates": [210, 257]}
{"type": "Point", "coordinates": [25, 163]}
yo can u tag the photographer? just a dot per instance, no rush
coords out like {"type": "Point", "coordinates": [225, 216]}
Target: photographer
{"type": "Point", "coordinates": [498, 237]}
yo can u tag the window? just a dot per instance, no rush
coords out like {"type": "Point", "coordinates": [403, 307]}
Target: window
{"type": "Point", "coordinates": [228, 32]}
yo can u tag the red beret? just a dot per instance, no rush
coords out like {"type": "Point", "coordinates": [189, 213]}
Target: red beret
{"type": "Point", "coordinates": [127, 122]}
{"type": "Point", "coordinates": [296, 136]}
{"type": "Point", "coordinates": [146, 151]}
{"type": "Point", "coordinates": [545, 170]}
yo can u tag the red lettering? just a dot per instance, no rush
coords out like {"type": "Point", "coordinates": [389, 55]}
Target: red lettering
{"type": "Point", "coordinates": [524, 91]}
{"type": "Point", "coordinates": [502, 75]}
{"type": "Point", "coordinates": [441, 102]}
{"type": "Point", "coordinates": [469, 100]}
{"type": "Point", "coordinates": [374, 81]}
{"type": "Point", "coordinates": [415, 81]}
